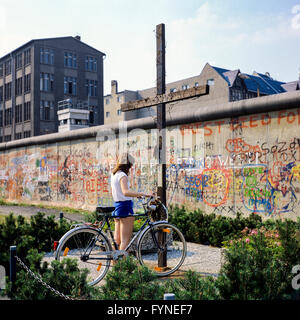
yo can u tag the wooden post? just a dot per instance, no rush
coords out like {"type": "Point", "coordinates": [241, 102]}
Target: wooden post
{"type": "Point", "coordinates": [161, 130]}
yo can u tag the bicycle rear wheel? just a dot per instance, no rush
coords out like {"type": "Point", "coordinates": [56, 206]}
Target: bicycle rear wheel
{"type": "Point", "coordinates": [90, 248]}
{"type": "Point", "coordinates": [162, 248]}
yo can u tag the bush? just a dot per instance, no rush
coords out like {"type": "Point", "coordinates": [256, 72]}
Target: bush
{"type": "Point", "coordinates": [65, 277]}
{"type": "Point", "coordinates": [128, 280]}
{"type": "Point", "coordinates": [193, 287]}
{"type": "Point", "coordinates": [259, 264]}
{"type": "Point", "coordinates": [39, 233]}
{"type": "Point", "coordinates": [211, 229]}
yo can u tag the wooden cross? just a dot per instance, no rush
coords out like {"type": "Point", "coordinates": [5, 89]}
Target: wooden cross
{"type": "Point", "coordinates": [160, 101]}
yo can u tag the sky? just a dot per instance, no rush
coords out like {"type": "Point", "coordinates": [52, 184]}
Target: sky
{"type": "Point", "coordinates": [250, 35]}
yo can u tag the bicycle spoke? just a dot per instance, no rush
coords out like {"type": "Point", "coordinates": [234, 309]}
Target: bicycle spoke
{"type": "Point", "coordinates": [162, 249]}
{"type": "Point", "coordinates": [91, 250]}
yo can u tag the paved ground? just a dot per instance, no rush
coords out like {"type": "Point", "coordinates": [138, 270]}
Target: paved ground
{"type": "Point", "coordinates": [32, 210]}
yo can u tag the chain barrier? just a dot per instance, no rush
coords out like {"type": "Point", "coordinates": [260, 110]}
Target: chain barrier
{"type": "Point", "coordinates": [41, 281]}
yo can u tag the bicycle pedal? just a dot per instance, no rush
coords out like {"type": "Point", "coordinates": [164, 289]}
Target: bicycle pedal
{"type": "Point", "coordinates": [119, 253]}
{"type": "Point", "coordinates": [162, 269]}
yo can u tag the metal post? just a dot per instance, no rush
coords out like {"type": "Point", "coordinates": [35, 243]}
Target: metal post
{"type": "Point", "coordinates": [161, 130]}
{"type": "Point", "coordinates": [12, 264]}
{"type": "Point", "coordinates": [61, 216]}
{"type": "Point", "coordinates": [169, 296]}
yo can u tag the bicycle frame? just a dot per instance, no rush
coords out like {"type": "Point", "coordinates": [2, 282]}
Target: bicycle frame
{"type": "Point", "coordinates": [106, 222]}
{"type": "Point", "coordinates": [115, 253]}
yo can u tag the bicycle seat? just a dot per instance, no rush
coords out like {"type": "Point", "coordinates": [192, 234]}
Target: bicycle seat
{"type": "Point", "coordinates": [105, 209]}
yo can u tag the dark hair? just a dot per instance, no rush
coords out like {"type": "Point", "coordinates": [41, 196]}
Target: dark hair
{"type": "Point", "coordinates": [125, 162]}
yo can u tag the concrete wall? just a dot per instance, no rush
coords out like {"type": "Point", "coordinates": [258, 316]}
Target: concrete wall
{"type": "Point", "coordinates": [248, 162]}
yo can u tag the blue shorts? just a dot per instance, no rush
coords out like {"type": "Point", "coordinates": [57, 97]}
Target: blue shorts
{"type": "Point", "coordinates": [123, 209]}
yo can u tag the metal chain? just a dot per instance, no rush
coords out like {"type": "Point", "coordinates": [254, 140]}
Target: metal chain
{"type": "Point", "coordinates": [40, 280]}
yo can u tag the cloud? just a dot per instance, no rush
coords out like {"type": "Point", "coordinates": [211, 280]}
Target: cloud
{"type": "Point", "coordinates": [230, 40]}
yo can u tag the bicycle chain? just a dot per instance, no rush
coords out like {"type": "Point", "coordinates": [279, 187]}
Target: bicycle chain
{"type": "Point", "coordinates": [41, 281]}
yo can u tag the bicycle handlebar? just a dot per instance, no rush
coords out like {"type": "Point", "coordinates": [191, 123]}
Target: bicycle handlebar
{"type": "Point", "coordinates": [147, 200]}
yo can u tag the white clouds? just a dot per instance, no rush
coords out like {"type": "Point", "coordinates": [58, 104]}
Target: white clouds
{"type": "Point", "coordinates": [295, 22]}
{"type": "Point", "coordinates": [230, 41]}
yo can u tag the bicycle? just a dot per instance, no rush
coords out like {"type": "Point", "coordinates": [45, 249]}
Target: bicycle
{"type": "Point", "coordinates": [159, 245]}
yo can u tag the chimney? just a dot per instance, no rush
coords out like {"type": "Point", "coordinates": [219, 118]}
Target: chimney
{"type": "Point", "coordinates": [78, 37]}
{"type": "Point", "coordinates": [114, 86]}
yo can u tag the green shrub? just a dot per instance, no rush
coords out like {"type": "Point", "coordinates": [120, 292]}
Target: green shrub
{"type": "Point", "coordinates": [38, 233]}
{"type": "Point", "coordinates": [259, 264]}
{"type": "Point", "coordinates": [211, 229]}
{"type": "Point", "coordinates": [128, 280]}
{"type": "Point", "coordinates": [192, 287]}
{"type": "Point", "coordinates": [65, 277]}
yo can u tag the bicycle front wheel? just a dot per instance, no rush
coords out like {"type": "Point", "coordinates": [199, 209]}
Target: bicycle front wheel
{"type": "Point", "coordinates": [89, 248]}
{"type": "Point", "coordinates": [162, 248]}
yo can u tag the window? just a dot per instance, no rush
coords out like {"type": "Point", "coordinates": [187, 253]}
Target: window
{"type": "Point", "coordinates": [107, 101]}
{"type": "Point", "coordinates": [119, 99]}
{"type": "Point", "coordinates": [18, 136]}
{"type": "Point", "coordinates": [196, 84]}
{"type": "Point", "coordinates": [18, 117]}
{"type": "Point", "coordinates": [7, 67]}
{"type": "Point", "coordinates": [27, 57]}
{"type": "Point", "coordinates": [107, 114]}
{"type": "Point", "coordinates": [46, 82]}
{"type": "Point", "coordinates": [70, 60]}
{"type": "Point", "coordinates": [7, 91]}
{"type": "Point", "coordinates": [90, 64]}
{"type": "Point", "coordinates": [18, 61]}
{"type": "Point", "coordinates": [46, 110]}
{"type": "Point", "coordinates": [18, 86]}
{"type": "Point", "coordinates": [7, 138]}
{"type": "Point", "coordinates": [8, 117]}
{"type": "Point", "coordinates": [27, 83]}
{"type": "Point", "coordinates": [70, 85]}
{"type": "Point", "coordinates": [173, 90]}
{"type": "Point", "coordinates": [119, 112]}
{"type": "Point", "coordinates": [27, 134]}
{"type": "Point", "coordinates": [91, 88]}
{"type": "Point", "coordinates": [210, 82]}
{"type": "Point", "coordinates": [27, 112]}
{"type": "Point", "coordinates": [1, 93]}
{"type": "Point", "coordinates": [185, 86]}
{"type": "Point", "coordinates": [1, 70]}
{"type": "Point", "coordinates": [91, 118]}
{"type": "Point", "coordinates": [46, 56]}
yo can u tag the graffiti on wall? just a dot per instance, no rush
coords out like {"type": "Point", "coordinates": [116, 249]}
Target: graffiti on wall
{"type": "Point", "coordinates": [246, 164]}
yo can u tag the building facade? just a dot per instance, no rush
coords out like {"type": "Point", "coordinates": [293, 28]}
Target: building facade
{"type": "Point", "coordinates": [112, 104]}
{"type": "Point", "coordinates": [39, 74]}
{"type": "Point", "coordinates": [224, 86]}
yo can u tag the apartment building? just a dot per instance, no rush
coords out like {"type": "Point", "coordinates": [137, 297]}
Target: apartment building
{"type": "Point", "coordinates": [225, 86]}
{"type": "Point", "coordinates": [39, 74]}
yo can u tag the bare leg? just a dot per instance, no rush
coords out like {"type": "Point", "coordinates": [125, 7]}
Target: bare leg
{"type": "Point", "coordinates": [117, 234]}
{"type": "Point", "coordinates": [126, 227]}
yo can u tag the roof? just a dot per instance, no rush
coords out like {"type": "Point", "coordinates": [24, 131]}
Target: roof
{"type": "Point", "coordinates": [263, 82]}
{"type": "Point", "coordinates": [291, 86]}
{"type": "Point", "coordinates": [46, 39]}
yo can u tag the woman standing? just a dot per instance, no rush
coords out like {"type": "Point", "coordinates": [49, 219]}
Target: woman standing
{"type": "Point", "coordinates": [122, 196]}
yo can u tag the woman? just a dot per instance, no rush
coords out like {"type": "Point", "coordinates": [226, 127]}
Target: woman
{"type": "Point", "coordinates": [122, 196]}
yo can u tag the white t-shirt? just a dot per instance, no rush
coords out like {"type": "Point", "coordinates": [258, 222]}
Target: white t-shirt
{"type": "Point", "coordinates": [116, 187]}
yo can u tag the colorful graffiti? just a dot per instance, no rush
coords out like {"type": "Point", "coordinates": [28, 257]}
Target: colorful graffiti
{"type": "Point", "coordinates": [247, 164]}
